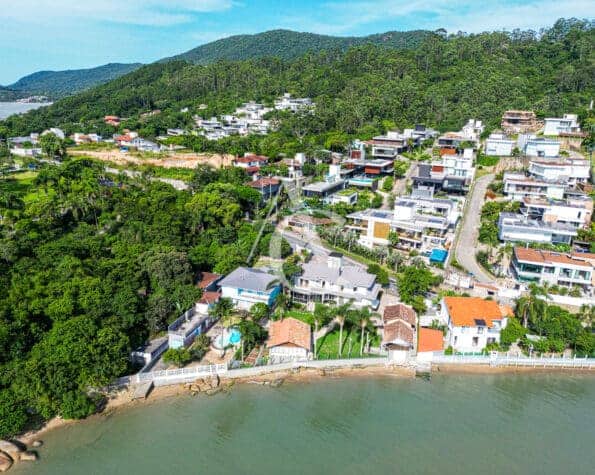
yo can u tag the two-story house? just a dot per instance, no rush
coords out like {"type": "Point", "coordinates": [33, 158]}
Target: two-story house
{"type": "Point", "coordinates": [246, 286]}
{"type": "Point", "coordinates": [554, 268]}
{"type": "Point", "coordinates": [328, 279]}
{"type": "Point", "coordinates": [473, 323]}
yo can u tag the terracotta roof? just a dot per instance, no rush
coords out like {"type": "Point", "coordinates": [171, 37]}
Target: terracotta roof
{"type": "Point", "coordinates": [549, 257]}
{"type": "Point", "coordinates": [398, 333]}
{"type": "Point", "coordinates": [430, 339]}
{"type": "Point", "coordinates": [448, 151]}
{"type": "Point", "coordinates": [209, 297]}
{"type": "Point", "coordinates": [437, 168]}
{"type": "Point", "coordinates": [252, 170]}
{"type": "Point", "coordinates": [206, 279]}
{"type": "Point", "coordinates": [251, 158]}
{"type": "Point", "coordinates": [290, 331]}
{"type": "Point", "coordinates": [474, 311]}
{"type": "Point", "coordinates": [263, 182]}
{"type": "Point", "coordinates": [399, 311]}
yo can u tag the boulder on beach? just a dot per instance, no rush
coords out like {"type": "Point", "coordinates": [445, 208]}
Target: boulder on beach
{"type": "Point", "coordinates": [37, 443]}
{"type": "Point", "coordinates": [11, 449]}
{"type": "Point", "coordinates": [5, 462]}
{"type": "Point", "coordinates": [28, 456]}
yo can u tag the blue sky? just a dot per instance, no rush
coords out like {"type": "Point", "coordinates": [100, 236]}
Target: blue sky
{"type": "Point", "coordinates": [66, 34]}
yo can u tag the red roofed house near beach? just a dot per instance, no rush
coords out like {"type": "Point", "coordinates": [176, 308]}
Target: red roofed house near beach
{"type": "Point", "coordinates": [473, 323]}
{"type": "Point", "coordinates": [398, 332]}
{"type": "Point", "coordinates": [430, 341]}
{"type": "Point", "coordinates": [289, 340]}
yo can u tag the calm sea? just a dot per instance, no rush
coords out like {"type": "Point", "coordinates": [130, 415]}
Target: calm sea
{"type": "Point", "coordinates": [500, 424]}
{"type": "Point", "coordinates": [9, 108]}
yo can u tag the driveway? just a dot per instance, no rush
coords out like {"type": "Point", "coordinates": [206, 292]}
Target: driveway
{"type": "Point", "coordinates": [466, 245]}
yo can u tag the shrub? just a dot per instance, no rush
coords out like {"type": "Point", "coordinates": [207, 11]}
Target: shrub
{"type": "Point", "coordinates": [449, 351]}
{"type": "Point", "coordinates": [178, 357]}
{"type": "Point", "coordinates": [513, 332]}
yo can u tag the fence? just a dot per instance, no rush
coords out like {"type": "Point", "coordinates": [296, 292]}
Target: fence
{"type": "Point", "coordinates": [520, 361]}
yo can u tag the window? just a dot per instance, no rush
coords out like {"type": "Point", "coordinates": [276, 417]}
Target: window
{"type": "Point", "coordinates": [475, 341]}
{"type": "Point", "coordinates": [480, 330]}
{"type": "Point", "coordinates": [455, 340]}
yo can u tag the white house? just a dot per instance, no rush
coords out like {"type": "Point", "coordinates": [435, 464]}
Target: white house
{"type": "Point", "coordinates": [554, 268]}
{"type": "Point", "coordinates": [56, 131]}
{"type": "Point", "coordinates": [568, 124]}
{"type": "Point", "coordinates": [499, 145]}
{"type": "Point", "coordinates": [246, 286]}
{"type": "Point", "coordinates": [473, 323]}
{"type": "Point", "coordinates": [518, 228]}
{"type": "Point", "coordinates": [289, 340]}
{"type": "Point", "coordinates": [328, 279]}
{"type": "Point", "coordinates": [574, 210]}
{"type": "Point", "coordinates": [569, 170]}
{"type": "Point", "coordinates": [293, 104]}
{"type": "Point", "coordinates": [534, 146]}
{"type": "Point", "coordinates": [518, 186]}
{"type": "Point", "coordinates": [430, 343]}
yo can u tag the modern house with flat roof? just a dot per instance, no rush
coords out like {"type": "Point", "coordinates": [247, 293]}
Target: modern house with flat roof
{"type": "Point", "coordinates": [390, 145]}
{"type": "Point", "coordinates": [246, 286]}
{"type": "Point", "coordinates": [347, 196]}
{"type": "Point", "coordinates": [538, 146]}
{"type": "Point", "coordinates": [570, 170]}
{"type": "Point", "coordinates": [565, 125]}
{"type": "Point", "coordinates": [554, 268]}
{"type": "Point", "coordinates": [514, 227]}
{"type": "Point", "coordinates": [517, 121]}
{"type": "Point", "coordinates": [499, 145]}
{"type": "Point", "coordinates": [518, 186]}
{"type": "Point", "coordinates": [574, 211]}
{"type": "Point", "coordinates": [453, 173]}
{"type": "Point", "coordinates": [473, 323]}
{"type": "Point", "coordinates": [420, 223]}
{"type": "Point", "coordinates": [329, 279]}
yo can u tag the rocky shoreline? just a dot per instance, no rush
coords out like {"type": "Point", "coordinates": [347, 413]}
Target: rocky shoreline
{"type": "Point", "coordinates": [12, 452]}
{"type": "Point", "coordinates": [213, 385]}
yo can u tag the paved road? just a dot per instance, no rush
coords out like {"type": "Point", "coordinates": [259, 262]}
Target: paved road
{"type": "Point", "coordinates": [466, 246]}
{"type": "Point", "coordinates": [316, 248]}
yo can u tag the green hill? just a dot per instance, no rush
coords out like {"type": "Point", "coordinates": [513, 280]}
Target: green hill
{"type": "Point", "coordinates": [8, 95]}
{"type": "Point", "coordinates": [56, 84]}
{"type": "Point", "coordinates": [442, 82]}
{"type": "Point", "coordinates": [287, 44]}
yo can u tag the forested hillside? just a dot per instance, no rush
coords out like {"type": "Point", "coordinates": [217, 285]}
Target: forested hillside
{"type": "Point", "coordinates": [442, 83]}
{"type": "Point", "coordinates": [57, 84]}
{"type": "Point", "coordinates": [286, 44]}
{"type": "Point", "coordinates": [91, 265]}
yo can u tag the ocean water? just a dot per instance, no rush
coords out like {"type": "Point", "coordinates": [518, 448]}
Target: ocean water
{"type": "Point", "coordinates": [453, 424]}
{"type": "Point", "coordinates": [9, 108]}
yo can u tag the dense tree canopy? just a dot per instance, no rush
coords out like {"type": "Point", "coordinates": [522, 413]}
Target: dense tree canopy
{"type": "Point", "coordinates": [92, 264]}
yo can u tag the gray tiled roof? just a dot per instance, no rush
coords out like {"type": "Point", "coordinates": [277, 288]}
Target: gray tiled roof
{"type": "Point", "coordinates": [247, 278]}
{"type": "Point", "coordinates": [348, 275]}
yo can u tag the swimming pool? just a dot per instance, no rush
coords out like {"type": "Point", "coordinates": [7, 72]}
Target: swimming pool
{"type": "Point", "coordinates": [230, 336]}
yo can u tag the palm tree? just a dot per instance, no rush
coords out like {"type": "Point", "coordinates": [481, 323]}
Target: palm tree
{"type": "Point", "coordinates": [222, 309]}
{"type": "Point", "coordinates": [530, 305]}
{"type": "Point", "coordinates": [341, 313]}
{"type": "Point", "coordinates": [321, 318]}
{"type": "Point", "coordinates": [282, 304]}
{"type": "Point", "coordinates": [587, 315]}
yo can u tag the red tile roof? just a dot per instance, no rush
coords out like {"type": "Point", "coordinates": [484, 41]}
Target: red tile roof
{"type": "Point", "coordinates": [264, 182]}
{"type": "Point", "coordinates": [399, 312]}
{"type": "Point", "coordinates": [398, 333]}
{"type": "Point", "coordinates": [430, 339]}
{"type": "Point", "coordinates": [544, 257]}
{"type": "Point", "coordinates": [291, 332]}
{"type": "Point", "coordinates": [251, 158]}
{"type": "Point", "coordinates": [470, 311]}
{"type": "Point", "coordinates": [209, 297]}
{"type": "Point", "coordinates": [448, 151]}
{"type": "Point", "coordinates": [206, 279]}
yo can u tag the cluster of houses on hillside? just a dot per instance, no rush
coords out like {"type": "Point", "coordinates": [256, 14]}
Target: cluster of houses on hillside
{"type": "Point", "coordinates": [249, 118]}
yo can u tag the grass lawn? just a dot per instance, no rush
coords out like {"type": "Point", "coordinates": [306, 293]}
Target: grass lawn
{"type": "Point", "coordinates": [19, 183]}
{"type": "Point", "coordinates": [328, 345]}
{"type": "Point", "coordinates": [302, 315]}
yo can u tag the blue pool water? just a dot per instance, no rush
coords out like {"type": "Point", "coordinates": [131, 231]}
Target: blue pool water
{"type": "Point", "coordinates": [234, 336]}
